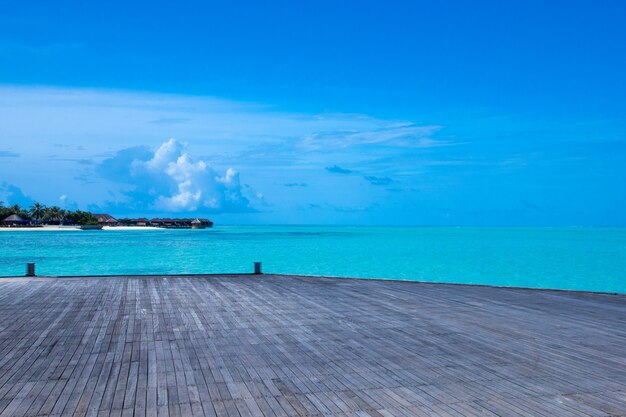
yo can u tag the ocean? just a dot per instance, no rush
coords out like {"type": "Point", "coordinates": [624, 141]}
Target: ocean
{"type": "Point", "coordinates": [592, 259]}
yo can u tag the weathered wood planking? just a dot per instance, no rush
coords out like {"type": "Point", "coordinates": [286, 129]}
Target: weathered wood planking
{"type": "Point", "coordinates": [293, 346]}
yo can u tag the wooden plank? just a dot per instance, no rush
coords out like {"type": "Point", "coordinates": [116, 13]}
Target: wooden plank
{"type": "Point", "coordinates": [292, 346]}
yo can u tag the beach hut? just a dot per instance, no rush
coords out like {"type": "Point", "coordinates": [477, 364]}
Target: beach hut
{"type": "Point", "coordinates": [106, 220]}
{"type": "Point", "coordinates": [13, 220]}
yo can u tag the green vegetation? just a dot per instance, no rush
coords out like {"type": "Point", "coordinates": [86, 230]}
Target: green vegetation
{"type": "Point", "coordinates": [81, 217]}
{"type": "Point", "coordinates": [6, 211]}
{"type": "Point", "coordinates": [37, 211]}
{"type": "Point", "coordinates": [42, 214]}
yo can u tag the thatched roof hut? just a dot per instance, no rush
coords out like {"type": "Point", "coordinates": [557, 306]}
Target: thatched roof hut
{"type": "Point", "coordinates": [106, 219]}
{"type": "Point", "coordinates": [13, 219]}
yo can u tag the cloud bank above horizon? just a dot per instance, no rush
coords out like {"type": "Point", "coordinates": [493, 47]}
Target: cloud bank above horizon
{"type": "Point", "coordinates": [147, 153]}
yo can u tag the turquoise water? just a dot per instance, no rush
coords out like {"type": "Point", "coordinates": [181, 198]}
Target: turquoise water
{"type": "Point", "coordinates": [566, 258]}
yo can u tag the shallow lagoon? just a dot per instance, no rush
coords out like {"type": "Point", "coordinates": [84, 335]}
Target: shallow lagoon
{"type": "Point", "coordinates": [565, 258]}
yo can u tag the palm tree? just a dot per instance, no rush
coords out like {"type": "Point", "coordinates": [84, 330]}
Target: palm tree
{"type": "Point", "coordinates": [54, 213]}
{"type": "Point", "coordinates": [37, 211]}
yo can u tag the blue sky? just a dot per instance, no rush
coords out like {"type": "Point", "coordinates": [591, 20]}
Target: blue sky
{"type": "Point", "coordinates": [462, 113]}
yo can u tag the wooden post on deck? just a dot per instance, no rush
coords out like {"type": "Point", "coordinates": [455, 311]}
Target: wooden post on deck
{"type": "Point", "coordinates": [30, 269]}
{"type": "Point", "coordinates": [257, 268]}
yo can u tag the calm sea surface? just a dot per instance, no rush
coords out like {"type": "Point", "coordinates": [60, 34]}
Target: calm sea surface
{"type": "Point", "coordinates": [566, 258]}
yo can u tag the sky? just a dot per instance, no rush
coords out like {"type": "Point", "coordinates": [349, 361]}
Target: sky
{"type": "Point", "coordinates": [325, 112]}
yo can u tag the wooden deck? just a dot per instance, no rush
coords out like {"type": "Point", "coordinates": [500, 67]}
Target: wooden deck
{"type": "Point", "coordinates": [295, 346]}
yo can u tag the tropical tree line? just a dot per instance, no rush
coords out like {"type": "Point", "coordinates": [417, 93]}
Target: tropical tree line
{"type": "Point", "coordinates": [42, 214]}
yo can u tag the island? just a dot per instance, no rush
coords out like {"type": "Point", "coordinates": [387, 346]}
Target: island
{"type": "Point", "coordinates": [39, 216]}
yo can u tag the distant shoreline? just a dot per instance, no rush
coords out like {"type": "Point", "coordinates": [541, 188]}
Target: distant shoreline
{"type": "Point", "coordinates": [54, 228]}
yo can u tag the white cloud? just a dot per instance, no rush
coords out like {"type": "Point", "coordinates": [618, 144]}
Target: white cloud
{"type": "Point", "coordinates": [107, 120]}
{"type": "Point", "coordinates": [401, 135]}
{"type": "Point", "coordinates": [172, 180]}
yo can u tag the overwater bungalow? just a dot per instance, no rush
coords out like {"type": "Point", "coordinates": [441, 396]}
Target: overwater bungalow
{"type": "Point", "coordinates": [180, 223]}
{"type": "Point", "coordinates": [206, 222]}
{"type": "Point", "coordinates": [165, 222]}
{"type": "Point", "coordinates": [142, 221]}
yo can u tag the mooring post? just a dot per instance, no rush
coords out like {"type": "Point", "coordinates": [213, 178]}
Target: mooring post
{"type": "Point", "coordinates": [257, 268]}
{"type": "Point", "coordinates": [30, 269]}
